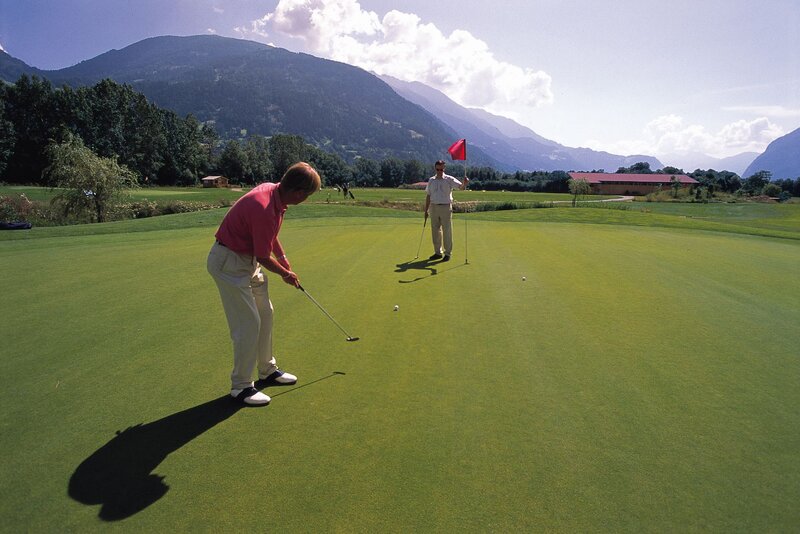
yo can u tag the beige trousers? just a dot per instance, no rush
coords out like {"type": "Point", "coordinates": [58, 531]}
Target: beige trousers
{"type": "Point", "coordinates": [245, 299]}
{"type": "Point", "coordinates": [441, 228]}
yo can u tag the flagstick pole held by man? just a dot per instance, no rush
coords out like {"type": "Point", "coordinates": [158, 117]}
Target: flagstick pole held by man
{"type": "Point", "coordinates": [458, 151]}
{"type": "Point", "coordinates": [466, 241]}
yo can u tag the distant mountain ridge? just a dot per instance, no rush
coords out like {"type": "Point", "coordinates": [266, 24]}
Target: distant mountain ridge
{"type": "Point", "coordinates": [781, 158]}
{"type": "Point", "coordinates": [12, 68]}
{"type": "Point", "coordinates": [506, 140]}
{"type": "Point", "coordinates": [690, 161]}
{"type": "Point", "coordinates": [244, 87]}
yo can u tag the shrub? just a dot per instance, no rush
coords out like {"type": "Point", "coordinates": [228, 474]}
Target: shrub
{"type": "Point", "coordinates": [622, 206]}
{"type": "Point", "coordinates": [8, 211]}
{"type": "Point", "coordinates": [15, 208]}
{"type": "Point", "coordinates": [144, 208]}
{"type": "Point", "coordinates": [183, 206]}
{"type": "Point", "coordinates": [771, 190]}
{"type": "Point", "coordinates": [466, 207]}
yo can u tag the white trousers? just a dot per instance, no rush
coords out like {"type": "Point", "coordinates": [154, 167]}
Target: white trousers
{"type": "Point", "coordinates": [441, 228]}
{"type": "Point", "coordinates": [245, 299]}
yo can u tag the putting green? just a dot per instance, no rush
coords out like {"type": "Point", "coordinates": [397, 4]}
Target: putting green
{"type": "Point", "coordinates": [640, 378]}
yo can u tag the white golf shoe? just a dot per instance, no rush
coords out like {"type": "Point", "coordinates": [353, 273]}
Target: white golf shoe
{"type": "Point", "coordinates": [250, 396]}
{"type": "Point", "coordinates": [281, 378]}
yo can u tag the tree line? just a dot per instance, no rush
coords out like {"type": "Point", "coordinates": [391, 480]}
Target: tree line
{"type": "Point", "coordinates": [712, 181]}
{"type": "Point", "coordinates": [114, 121]}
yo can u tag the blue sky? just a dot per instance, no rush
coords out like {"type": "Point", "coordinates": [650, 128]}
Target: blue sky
{"type": "Point", "coordinates": [629, 76]}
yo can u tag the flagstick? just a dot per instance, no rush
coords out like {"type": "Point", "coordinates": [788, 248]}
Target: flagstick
{"type": "Point", "coordinates": [460, 147]}
{"type": "Point", "coordinates": [466, 241]}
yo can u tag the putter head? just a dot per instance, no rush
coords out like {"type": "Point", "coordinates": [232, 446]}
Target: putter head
{"type": "Point", "coordinates": [352, 339]}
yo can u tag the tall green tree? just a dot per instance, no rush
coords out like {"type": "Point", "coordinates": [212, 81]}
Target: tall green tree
{"type": "Point", "coordinates": [259, 165]}
{"type": "Point", "coordinates": [7, 137]}
{"type": "Point", "coordinates": [391, 172]}
{"type": "Point", "coordinates": [675, 184]}
{"type": "Point", "coordinates": [366, 172]}
{"type": "Point", "coordinates": [331, 167]}
{"type": "Point", "coordinates": [414, 171]}
{"type": "Point", "coordinates": [753, 185]}
{"type": "Point", "coordinates": [89, 184]}
{"type": "Point", "coordinates": [187, 149]}
{"type": "Point", "coordinates": [578, 188]}
{"type": "Point", "coordinates": [285, 151]}
{"type": "Point", "coordinates": [233, 161]}
{"type": "Point", "coordinates": [641, 167]}
{"type": "Point", "coordinates": [31, 109]}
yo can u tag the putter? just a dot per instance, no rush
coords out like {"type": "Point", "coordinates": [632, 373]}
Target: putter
{"type": "Point", "coordinates": [349, 337]}
{"type": "Point", "coordinates": [420, 237]}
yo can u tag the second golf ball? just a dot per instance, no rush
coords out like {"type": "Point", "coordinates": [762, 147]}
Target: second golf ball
{"type": "Point", "coordinates": [523, 278]}
{"type": "Point", "coordinates": [396, 307]}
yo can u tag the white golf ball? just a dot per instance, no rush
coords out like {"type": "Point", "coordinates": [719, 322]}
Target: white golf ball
{"type": "Point", "coordinates": [396, 307]}
{"type": "Point", "coordinates": [523, 278]}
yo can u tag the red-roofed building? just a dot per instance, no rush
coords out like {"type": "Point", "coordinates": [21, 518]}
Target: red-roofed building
{"type": "Point", "coordinates": [630, 184]}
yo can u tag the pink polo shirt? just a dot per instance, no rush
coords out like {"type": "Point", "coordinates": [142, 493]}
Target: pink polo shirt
{"type": "Point", "coordinates": [253, 222]}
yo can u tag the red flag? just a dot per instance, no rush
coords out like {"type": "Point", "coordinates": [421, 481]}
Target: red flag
{"type": "Point", "coordinates": [458, 150]}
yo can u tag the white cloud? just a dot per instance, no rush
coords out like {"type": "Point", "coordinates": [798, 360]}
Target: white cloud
{"type": "Point", "coordinates": [211, 30]}
{"type": "Point", "coordinates": [669, 134]}
{"type": "Point", "coordinates": [218, 10]}
{"type": "Point", "coordinates": [1, 48]}
{"type": "Point", "coordinates": [401, 45]}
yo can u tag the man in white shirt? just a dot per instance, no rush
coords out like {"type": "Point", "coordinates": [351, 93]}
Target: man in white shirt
{"type": "Point", "coordinates": [438, 200]}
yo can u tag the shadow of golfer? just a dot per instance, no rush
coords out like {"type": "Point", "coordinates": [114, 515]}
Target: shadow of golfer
{"type": "Point", "coordinates": [420, 265]}
{"type": "Point", "coordinates": [119, 475]}
{"type": "Point", "coordinates": [426, 266]}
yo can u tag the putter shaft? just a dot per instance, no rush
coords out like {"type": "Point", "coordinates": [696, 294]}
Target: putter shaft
{"type": "Point", "coordinates": [420, 237]}
{"type": "Point", "coordinates": [306, 293]}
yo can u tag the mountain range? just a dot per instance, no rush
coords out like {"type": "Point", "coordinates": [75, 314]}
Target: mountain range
{"type": "Point", "coordinates": [781, 158]}
{"type": "Point", "coordinates": [690, 161]}
{"type": "Point", "coordinates": [243, 87]}
{"type": "Point", "coordinates": [507, 140]}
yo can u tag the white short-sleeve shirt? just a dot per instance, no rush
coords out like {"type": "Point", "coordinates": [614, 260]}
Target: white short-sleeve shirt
{"type": "Point", "coordinates": [441, 189]}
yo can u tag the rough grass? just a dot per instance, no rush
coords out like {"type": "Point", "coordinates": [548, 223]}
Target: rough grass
{"type": "Point", "coordinates": [643, 378]}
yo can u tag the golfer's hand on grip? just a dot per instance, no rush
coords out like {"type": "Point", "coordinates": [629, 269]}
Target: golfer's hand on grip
{"type": "Point", "coordinates": [291, 278]}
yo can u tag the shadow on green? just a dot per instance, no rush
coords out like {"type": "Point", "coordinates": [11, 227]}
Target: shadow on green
{"type": "Point", "coordinates": [119, 475]}
{"type": "Point", "coordinates": [423, 265]}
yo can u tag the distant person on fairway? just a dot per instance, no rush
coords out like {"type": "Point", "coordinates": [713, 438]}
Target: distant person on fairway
{"type": "Point", "coordinates": [439, 201]}
{"type": "Point", "coordinates": [246, 240]}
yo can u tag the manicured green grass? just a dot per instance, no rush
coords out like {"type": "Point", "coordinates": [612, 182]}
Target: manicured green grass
{"type": "Point", "coordinates": [414, 195]}
{"type": "Point", "coordinates": [770, 216]}
{"type": "Point", "coordinates": [784, 223]}
{"type": "Point", "coordinates": [156, 194]}
{"type": "Point", "coordinates": [372, 194]}
{"type": "Point", "coordinates": [643, 378]}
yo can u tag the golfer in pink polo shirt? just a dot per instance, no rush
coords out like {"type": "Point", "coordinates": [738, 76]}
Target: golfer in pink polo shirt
{"type": "Point", "coordinates": [247, 240]}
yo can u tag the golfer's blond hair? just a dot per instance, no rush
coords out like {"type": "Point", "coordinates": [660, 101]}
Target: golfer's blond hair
{"type": "Point", "coordinates": [301, 177]}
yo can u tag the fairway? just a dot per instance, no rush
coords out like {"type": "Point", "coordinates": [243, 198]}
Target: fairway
{"type": "Point", "coordinates": [644, 377]}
